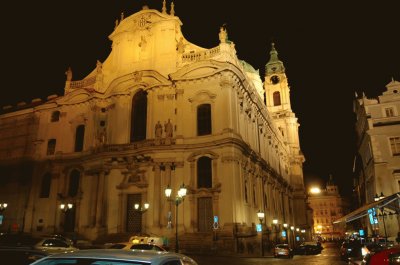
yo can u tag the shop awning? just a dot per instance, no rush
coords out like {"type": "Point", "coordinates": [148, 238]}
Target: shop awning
{"type": "Point", "coordinates": [363, 210]}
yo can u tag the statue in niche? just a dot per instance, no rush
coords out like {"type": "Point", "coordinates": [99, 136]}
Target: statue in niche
{"type": "Point", "coordinates": [158, 130]}
{"type": "Point", "coordinates": [68, 73]}
{"type": "Point", "coordinates": [168, 129]}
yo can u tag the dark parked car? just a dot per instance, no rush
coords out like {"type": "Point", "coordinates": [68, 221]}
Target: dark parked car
{"type": "Point", "coordinates": [49, 244]}
{"type": "Point", "coordinates": [308, 249]}
{"type": "Point", "coordinates": [20, 256]}
{"type": "Point", "coordinates": [350, 249]}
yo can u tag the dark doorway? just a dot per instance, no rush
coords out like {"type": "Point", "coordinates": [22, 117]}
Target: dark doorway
{"type": "Point", "coordinates": [69, 220]}
{"type": "Point", "coordinates": [133, 218]}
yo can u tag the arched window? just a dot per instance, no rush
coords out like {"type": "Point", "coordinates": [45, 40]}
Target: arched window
{"type": "Point", "coordinates": [139, 116]}
{"type": "Point", "coordinates": [79, 137]}
{"type": "Point", "coordinates": [204, 172]}
{"type": "Point", "coordinates": [45, 187]}
{"type": "Point", "coordinates": [73, 187]}
{"type": "Point", "coordinates": [277, 98]}
{"type": "Point", "coordinates": [55, 116]}
{"type": "Point", "coordinates": [51, 146]}
{"type": "Point", "coordinates": [204, 119]}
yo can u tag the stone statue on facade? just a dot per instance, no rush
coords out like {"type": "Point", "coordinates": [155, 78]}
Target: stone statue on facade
{"type": "Point", "coordinates": [172, 11]}
{"type": "Point", "coordinates": [223, 35]}
{"type": "Point", "coordinates": [168, 129]}
{"type": "Point", "coordinates": [68, 73]}
{"type": "Point", "coordinates": [158, 130]}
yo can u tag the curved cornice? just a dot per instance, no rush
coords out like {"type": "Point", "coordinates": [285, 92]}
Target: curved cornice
{"type": "Point", "coordinates": [204, 69]}
{"type": "Point", "coordinates": [208, 153]}
{"type": "Point", "coordinates": [146, 79]}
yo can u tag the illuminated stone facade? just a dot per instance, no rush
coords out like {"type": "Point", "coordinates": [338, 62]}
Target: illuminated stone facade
{"type": "Point", "coordinates": [378, 158]}
{"type": "Point", "coordinates": [327, 207]}
{"type": "Point", "coordinates": [159, 111]}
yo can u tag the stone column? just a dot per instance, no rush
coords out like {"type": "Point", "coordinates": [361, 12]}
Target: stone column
{"type": "Point", "coordinates": [156, 196]}
{"type": "Point", "coordinates": [100, 202]}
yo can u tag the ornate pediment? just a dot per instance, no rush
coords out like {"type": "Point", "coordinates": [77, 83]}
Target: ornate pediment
{"type": "Point", "coordinates": [141, 21]}
{"type": "Point", "coordinates": [134, 176]}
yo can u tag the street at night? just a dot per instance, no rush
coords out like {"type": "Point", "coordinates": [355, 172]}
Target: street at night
{"type": "Point", "coordinates": [329, 256]}
{"type": "Point", "coordinates": [157, 131]}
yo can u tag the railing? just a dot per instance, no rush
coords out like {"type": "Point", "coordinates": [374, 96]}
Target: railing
{"type": "Point", "coordinates": [83, 83]}
{"type": "Point", "coordinates": [196, 56]}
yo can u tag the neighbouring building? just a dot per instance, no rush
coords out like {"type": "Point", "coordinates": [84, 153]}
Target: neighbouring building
{"type": "Point", "coordinates": [158, 112]}
{"type": "Point", "coordinates": [327, 206]}
{"type": "Point", "coordinates": [377, 164]}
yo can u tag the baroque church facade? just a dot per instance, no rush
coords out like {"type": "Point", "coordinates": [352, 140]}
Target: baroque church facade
{"type": "Point", "coordinates": [158, 112]}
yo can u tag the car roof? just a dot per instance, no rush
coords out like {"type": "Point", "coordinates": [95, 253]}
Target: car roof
{"type": "Point", "coordinates": [148, 256]}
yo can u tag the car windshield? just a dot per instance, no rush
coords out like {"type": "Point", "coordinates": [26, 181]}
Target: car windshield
{"type": "Point", "coordinates": [88, 261]}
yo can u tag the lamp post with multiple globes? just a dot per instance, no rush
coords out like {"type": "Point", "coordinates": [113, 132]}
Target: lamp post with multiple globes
{"type": "Point", "coordinates": [178, 200]}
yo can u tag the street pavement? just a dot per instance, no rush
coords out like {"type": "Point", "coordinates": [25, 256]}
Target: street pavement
{"type": "Point", "coordinates": [329, 256]}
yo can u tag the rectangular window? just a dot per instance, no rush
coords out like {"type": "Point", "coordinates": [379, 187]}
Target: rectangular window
{"type": "Point", "coordinates": [395, 145]}
{"type": "Point", "coordinates": [51, 147]}
{"type": "Point", "coordinates": [55, 116]}
{"type": "Point", "coordinates": [389, 112]}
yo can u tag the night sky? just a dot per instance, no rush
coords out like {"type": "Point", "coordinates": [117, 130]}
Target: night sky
{"type": "Point", "coordinates": [331, 49]}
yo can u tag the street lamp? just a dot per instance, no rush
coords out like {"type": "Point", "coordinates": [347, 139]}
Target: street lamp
{"type": "Point", "coordinates": [261, 216]}
{"type": "Point", "coordinates": [293, 238]}
{"type": "Point", "coordinates": [285, 226]}
{"type": "Point", "coordinates": [275, 222]}
{"type": "Point", "coordinates": [3, 206]}
{"type": "Point", "coordinates": [303, 231]}
{"type": "Point", "coordinates": [66, 206]}
{"type": "Point", "coordinates": [142, 208]}
{"type": "Point", "coordinates": [178, 200]}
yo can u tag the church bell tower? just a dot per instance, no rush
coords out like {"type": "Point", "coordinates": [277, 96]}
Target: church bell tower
{"type": "Point", "coordinates": [277, 92]}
